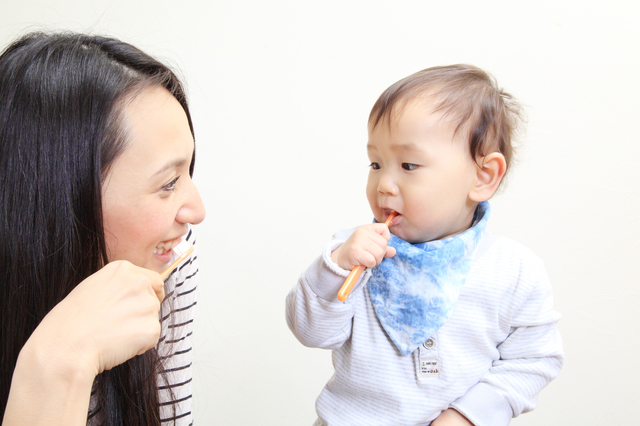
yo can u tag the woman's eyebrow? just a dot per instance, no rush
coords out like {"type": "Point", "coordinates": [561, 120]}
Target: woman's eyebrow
{"type": "Point", "coordinates": [172, 165]}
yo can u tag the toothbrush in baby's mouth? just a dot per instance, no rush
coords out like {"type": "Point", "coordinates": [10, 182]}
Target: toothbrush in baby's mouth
{"type": "Point", "coordinates": [181, 251]}
{"type": "Point", "coordinates": [352, 279]}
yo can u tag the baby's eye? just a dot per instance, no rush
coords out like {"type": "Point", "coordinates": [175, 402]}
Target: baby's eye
{"type": "Point", "coordinates": [374, 166]}
{"type": "Point", "coordinates": [171, 186]}
{"type": "Point", "coordinates": [409, 166]}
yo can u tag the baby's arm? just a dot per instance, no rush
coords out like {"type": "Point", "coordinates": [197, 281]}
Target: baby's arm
{"type": "Point", "coordinates": [314, 314]}
{"type": "Point", "coordinates": [451, 417]}
{"type": "Point", "coordinates": [530, 357]}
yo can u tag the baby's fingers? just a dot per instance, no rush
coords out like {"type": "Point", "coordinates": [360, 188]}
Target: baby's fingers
{"type": "Point", "coordinates": [383, 243]}
{"type": "Point", "coordinates": [382, 230]}
{"type": "Point", "coordinates": [374, 252]}
{"type": "Point", "coordinates": [369, 259]}
{"type": "Point", "coordinates": [391, 251]}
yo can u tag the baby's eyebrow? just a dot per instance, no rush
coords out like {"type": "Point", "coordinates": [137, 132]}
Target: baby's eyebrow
{"type": "Point", "coordinates": [404, 147]}
{"type": "Point", "coordinates": [407, 146]}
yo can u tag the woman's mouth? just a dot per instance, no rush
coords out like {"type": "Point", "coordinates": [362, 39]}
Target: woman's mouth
{"type": "Point", "coordinates": [166, 246]}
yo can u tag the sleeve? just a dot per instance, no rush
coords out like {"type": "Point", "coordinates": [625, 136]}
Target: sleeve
{"type": "Point", "coordinates": [313, 312]}
{"type": "Point", "coordinates": [530, 357]}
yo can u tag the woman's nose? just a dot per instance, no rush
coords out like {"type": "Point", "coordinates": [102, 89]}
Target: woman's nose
{"type": "Point", "coordinates": [192, 211]}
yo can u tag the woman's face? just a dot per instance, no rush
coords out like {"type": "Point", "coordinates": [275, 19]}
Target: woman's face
{"type": "Point", "coordinates": [148, 197]}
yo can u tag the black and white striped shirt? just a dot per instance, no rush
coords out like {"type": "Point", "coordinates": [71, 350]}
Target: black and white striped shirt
{"type": "Point", "coordinates": [174, 346]}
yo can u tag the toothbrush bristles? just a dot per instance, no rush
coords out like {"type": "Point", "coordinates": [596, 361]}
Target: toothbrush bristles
{"type": "Point", "coordinates": [181, 251]}
{"type": "Point", "coordinates": [181, 248]}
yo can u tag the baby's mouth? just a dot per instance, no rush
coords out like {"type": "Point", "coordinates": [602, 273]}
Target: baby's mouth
{"type": "Point", "coordinates": [166, 246]}
{"type": "Point", "coordinates": [387, 212]}
{"type": "Point", "coordinates": [392, 221]}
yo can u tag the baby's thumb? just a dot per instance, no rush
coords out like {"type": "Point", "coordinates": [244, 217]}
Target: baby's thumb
{"type": "Point", "coordinates": [391, 251]}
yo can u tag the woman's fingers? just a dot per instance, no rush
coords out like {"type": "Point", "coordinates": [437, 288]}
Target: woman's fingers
{"type": "Point", "coordinates": [108, 318]}
{"type": "Point", "coordinates": [156, 284]}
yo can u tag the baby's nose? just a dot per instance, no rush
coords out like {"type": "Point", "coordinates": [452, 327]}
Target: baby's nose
{"type": "Point", "coordinates": [387, 185]}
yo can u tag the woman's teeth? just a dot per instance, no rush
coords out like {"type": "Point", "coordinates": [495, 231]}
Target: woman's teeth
{"type": "Point", "coordinates": [166, 246]}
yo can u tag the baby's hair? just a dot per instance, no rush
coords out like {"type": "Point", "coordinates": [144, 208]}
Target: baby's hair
{"type": "Point", "coordinates": [468, 96]}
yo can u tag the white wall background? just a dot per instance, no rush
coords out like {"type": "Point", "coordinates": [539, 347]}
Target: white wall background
{"type": "Point", "coordinates": [280, 94]}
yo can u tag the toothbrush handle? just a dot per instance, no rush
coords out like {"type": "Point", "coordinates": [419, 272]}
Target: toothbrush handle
{"type": "Point", "coordinates": [351, 280]}
{"type": "Point", "coordinates": [175, 263]}
{"type": "Point", "coordinates": [353, 277]}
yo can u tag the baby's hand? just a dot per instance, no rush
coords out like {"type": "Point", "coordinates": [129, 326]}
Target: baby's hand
{"type": "Point", "coordinates": [367, 246]}
{"type": "Point", "coordinates": [451, 417]}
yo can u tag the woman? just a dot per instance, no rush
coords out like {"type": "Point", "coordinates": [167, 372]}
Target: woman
{"type": "Point", "coordinates": [96, 158]}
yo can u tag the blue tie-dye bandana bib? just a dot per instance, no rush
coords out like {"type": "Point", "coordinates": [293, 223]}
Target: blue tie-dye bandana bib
{"type": "Point", "coordinates": [415, 291]}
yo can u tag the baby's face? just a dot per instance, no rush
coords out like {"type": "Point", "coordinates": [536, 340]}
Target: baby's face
{"type": "Point", "coordinates": [421, 171]}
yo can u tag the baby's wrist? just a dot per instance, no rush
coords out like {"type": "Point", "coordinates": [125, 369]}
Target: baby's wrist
{"type": "Point", "coordinates": [328, 260]}
{"type": "Point", "coordinates": [335, 257]}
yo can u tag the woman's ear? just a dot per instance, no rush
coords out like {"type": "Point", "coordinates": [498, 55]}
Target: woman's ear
{"type": "Point", "coordinates": [490, 170]}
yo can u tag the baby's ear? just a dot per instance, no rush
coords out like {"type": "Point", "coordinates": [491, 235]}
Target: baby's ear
{"type": "Point", "coordinates": [490, 170]}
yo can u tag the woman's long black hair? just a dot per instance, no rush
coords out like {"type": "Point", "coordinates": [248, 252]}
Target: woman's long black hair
{"type": "Point", "coordinates": [61, 99]}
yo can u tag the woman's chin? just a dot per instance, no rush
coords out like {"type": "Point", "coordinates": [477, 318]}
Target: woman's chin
{"type": "Point", "coordinates": [159, 262]}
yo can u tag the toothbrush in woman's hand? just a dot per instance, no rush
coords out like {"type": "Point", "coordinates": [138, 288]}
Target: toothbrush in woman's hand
{"type": "Point", "coordinates": [182, 250]}
{"type": "Point", "coordinates": [353, 277]}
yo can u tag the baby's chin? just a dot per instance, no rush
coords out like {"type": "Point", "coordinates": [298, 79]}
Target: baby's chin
{"type": "Point", "coordinates": [403, 235]}
{"type": "Point", "coordinates": [413, 236]}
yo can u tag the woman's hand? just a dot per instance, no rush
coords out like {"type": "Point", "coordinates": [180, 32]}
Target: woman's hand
{"type": "Point", "coordinates": [367, 246]}
{"type": "Point", "coordinates": [451, 417]}
{"type": "Point", "coordinates": [110, 317]}
{"type": "Point", "coordinates": [107, 319]}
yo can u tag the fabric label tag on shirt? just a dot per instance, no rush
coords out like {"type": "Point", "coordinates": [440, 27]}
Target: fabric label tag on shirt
{"type": "Point", "coordinates": [429, 367]}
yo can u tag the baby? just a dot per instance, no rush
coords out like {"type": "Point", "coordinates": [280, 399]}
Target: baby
{"type": "Point", "coordinates": [451, 325]}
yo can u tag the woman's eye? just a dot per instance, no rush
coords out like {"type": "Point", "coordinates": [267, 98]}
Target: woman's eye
{"type": "Point", "coordinates": [409, 166]}
{"type": "Point", "coordinates": [374, 166]}
{"type": "Point", "coordinates": [171, 186]}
